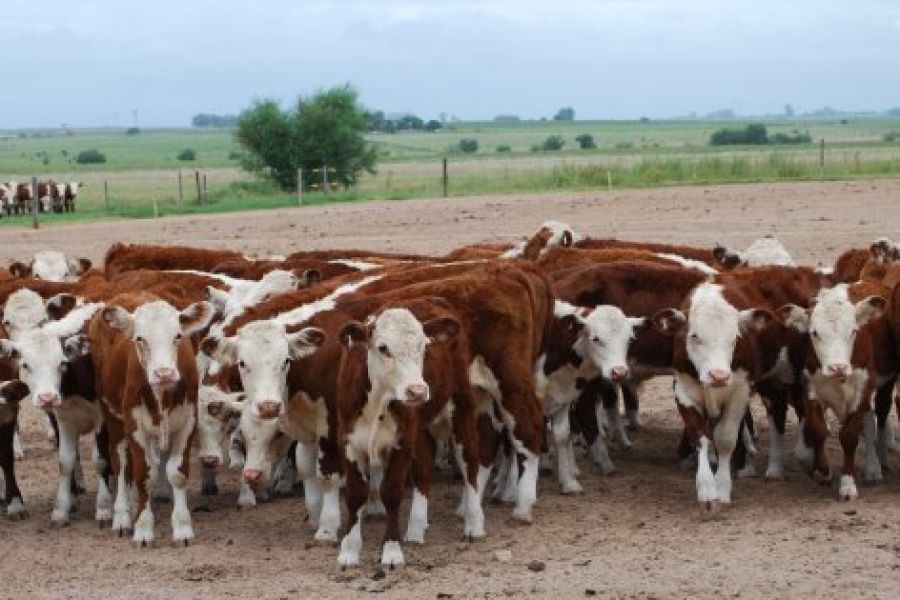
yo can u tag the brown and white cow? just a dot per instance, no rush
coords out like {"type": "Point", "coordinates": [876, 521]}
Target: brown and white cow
{"type": "Point", "coordinates": [51, 265]}
{"type": "Point", "coordinates": [716, 363]}
{"type": "Point", "coordinates": [70, 194]}
{"type": "Point", "coordinates": [11, 394]}
{"type": "Point", "coordinates": [585, 343]}
{"type": "Point", "coordinates": [762, 252]}
{"type": "Point", "coordinates": [851, 352]}
{"type": "Point", "coordinates": [52, 359]}
{"type": "Point", "coordinates": [403, 373]}
{"type": "Point", "coordinates": [148, 381]}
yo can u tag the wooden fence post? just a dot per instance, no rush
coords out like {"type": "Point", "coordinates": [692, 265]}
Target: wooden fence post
{"type": "Point", "coordinates": [199, 190]}
{"type": "Point", "coordinates": [299, 187]}
{"type": "Point", "coordinates": [205, 191]}
{"type": "Point", "coordinates": [106, 194]}
{"type": "Point", "coordinates": [446, 178]}
{"type": "Point", "coordinates": [35, 201]}
{"type": "Point", "coordinates": [324, 177]}
{"type": "Point", "coordinates": [822, 158]}
{"type": "Point", "coordinates": [180, 190]}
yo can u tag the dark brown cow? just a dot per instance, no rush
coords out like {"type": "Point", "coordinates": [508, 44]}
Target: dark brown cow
{"type": "Point", "coordinates": [699, 254]}
{"type": "Point", "coordinates": [11, 393]}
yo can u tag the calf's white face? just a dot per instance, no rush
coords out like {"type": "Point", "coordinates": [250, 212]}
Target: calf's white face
{"type": "Point", "coordinates": [605, 336]}
{"type": "Point", "coordinates": [157, 329]}
{"type": "Point", "coordinates": [711, 330]}
{"type": "Point", "coordinates": [24, 309]}
{"type": "Point", "coordinates": [833, 324]}
{"type": "Point", "coordinates": [216, 410]}
{"type": "Point", "coordinates": [42, 359]}
{"type": "Point", "coordinates": [263, 352]}
{"type": "Point", "coordinates": [395, 352]}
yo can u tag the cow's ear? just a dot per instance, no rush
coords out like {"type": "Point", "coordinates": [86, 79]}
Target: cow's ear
{"type": "Point", "coordinates": [20, 269]}
{"type": "Point", "coordinates": [221, 349]}
{"type": "Point", "coordinates": [793, 316]}
{"type": "Point", "coordinates": [60, 305]}
{"type": "Point", "coordinates": [354, 331]}
{"type": "Point", "coordinates": [196, 317]}
{"type": "Point", "coordinates": [311, 277]}
{"type": "Point", "coordinates": [754, 319]}
{"type": "Point", "coordinates": [727, 258]}
{"type": "Point", "coordinates": [8, 349]}
{"type": "Point", "coordinates": [571, 324]}
{"type": "Point", "coordinates": [442, 329]}
{"type": "Point", "coordinates": [566, 240]}
{"type": "Point", "coordinates": [119, 318]}
{"type": "Point", "coordinates": [868, 309]}
{"type": "Point", "coordinates": [76, 346]}
{"type": "Point", "coordinates": [219, 298]}
{"type": "Point", "coordinates": [670, 321]}
{"type": "Point", "coordinates": [78, 266]}
{"type": "Point", "coordinates": [881, 249]}
{"type": "Point", "coordinates": [13, 391]}
{"type": "Point", "coordinates": [305, 342]}
{"type": "Point", "coordinates": [639, 324]}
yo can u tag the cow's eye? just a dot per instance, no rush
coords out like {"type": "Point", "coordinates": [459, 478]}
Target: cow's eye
{"type": "Point", "coordinates": [287, 363]}
{"type": "Point", "coordinates": [814, 333]}
{"type": "Point", "coordinates": [178, 337]}
{"type": "Point", "coordinates": [140, 340]}
{"type": "Point", "coordinates": [242, 364]}
{"type": "Point", "coordinates": [854, 331]}
{"type": "Point", "coordinates": [597, 340]}
{"type": "Point", "coordinates": [25, 366]}
{"type": "Point", "coordinates": [695, 338]}
{"type": "Point", "coordinates": [384, 350]}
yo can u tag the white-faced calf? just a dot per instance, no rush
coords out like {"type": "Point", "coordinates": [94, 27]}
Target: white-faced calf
{"type": "Point", "coordinates": [846, 361]}
{"type": "Point", "coordinates": [715, 362]}
{"type": "Point", "coordinates": [585, 343]}
{"type": "Point", "coordinates": [149, 382]}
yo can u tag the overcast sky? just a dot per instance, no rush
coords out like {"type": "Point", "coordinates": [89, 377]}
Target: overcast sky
{"type": "Point", "coordinates": [92, 62]}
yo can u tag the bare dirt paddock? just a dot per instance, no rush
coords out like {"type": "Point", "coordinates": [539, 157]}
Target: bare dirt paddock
{"type": "Point", "coordinates": [636, 534]}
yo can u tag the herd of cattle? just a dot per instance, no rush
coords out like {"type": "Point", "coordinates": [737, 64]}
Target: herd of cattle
{"type": "Point", "coordinates": [360, 373]}
{"type": "Point", "coordinates": [19, 198]}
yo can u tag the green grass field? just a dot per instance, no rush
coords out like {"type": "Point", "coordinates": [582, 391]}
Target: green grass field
{"type": "Point", "coordinates": [140, 177]}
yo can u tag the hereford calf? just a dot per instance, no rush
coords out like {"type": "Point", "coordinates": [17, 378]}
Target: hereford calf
{"type": "Point", "coordinates": [11, 393]}
{"type": "Point", "coordinates": [397, 377]}
{"type": "Point", "coordinates": [850, 354]}
{"type": "Point", "coordinates": [148, 381]}
{"type": "Point", "coordinates": [51, 265]}
{"type": "Point", "coordinates": [585, 343]}
{"type": "Point", "coordinates": [762, 252]}
{"type": "Point", "coordinates": [716, 363]}
{"type": "Point", "coordinates": [53, 361]}
{"type": "Point", "coordinates": [128, 257]}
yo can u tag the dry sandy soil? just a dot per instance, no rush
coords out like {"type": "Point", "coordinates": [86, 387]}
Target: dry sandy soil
{"type": "Point", "coordinates": [636, 534]}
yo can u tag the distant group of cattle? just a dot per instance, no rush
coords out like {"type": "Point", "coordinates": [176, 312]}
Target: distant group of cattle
{"type": "Point", "coordinates": [19, 198]}
{"type": "Point", "coordinates": [358, 372]}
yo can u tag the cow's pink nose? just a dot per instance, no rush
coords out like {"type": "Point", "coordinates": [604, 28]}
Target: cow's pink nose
{"type": "Point", "coordinates": [838, 369]}
{"type": "Point", "coordinates": [47, 400]}
{"type": "Point", "coordinates": [268, 409]}
{"type": "Point", "coordinates": [166, 374]}
{"type": "Point", "coordinates": [253, 476]}
{"type": "Point", "coordinates": [209, 461]}
{"type": "Point", "coordinates": [618, 373]}
{"type": "Point", "coordinates": [417, 394]}
{"type": "Point", "coordinates": [719, 377]}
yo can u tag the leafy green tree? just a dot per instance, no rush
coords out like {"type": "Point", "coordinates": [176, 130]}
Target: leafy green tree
{"type": "Point", "coordinates": [585, 141]}
{"type": "Point", "coordinates": [468, 145]}
{"type": "Point", "coordinates": [327, 129]}
{"type": "Point", "coordinates": [566, 113]}
{"type": "Point", "coordinates": [553, 143]}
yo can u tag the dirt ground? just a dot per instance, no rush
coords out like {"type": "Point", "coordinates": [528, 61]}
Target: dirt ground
{"type": "Point", "coordinates": [636, 534]}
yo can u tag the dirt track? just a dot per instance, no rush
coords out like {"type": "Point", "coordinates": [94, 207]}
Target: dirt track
{"type": "Point", "coordinates": [637, 533]}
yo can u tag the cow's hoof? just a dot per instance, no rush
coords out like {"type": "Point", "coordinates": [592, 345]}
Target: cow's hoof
{"type": "Point", "coordinates": [571, 488]}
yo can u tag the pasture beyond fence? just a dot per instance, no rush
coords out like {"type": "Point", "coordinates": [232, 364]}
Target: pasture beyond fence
{"type": "Point", "coordinates": [158, 192]}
